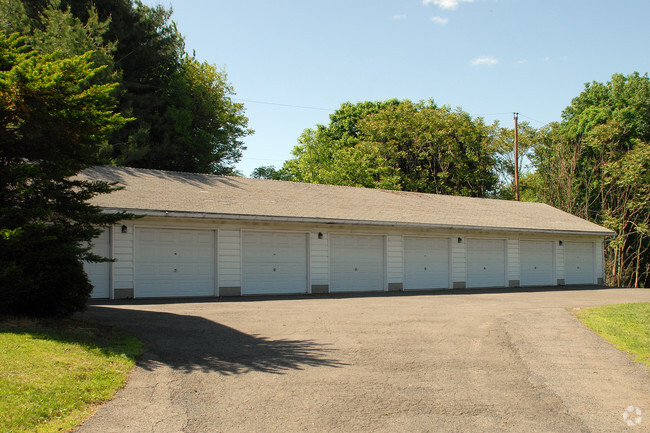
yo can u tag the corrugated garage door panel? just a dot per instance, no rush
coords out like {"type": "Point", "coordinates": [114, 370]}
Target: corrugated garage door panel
{"type": "Point", "coordinates": [356, 263]}
{"type": "Point", "coordinates": [579, 262]}
{"type": "Point", "coordinates": [486, 262]}
{"type": "Point", "coordinates": [172, 262]}
{"type": "Point", "coordinates": [536, 263]}
{"type": "Point", "coordinates": [426, 263]}
{"type": "Point", "coordinates": [274, 263]}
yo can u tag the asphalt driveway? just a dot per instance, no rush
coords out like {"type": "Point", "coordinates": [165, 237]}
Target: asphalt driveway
{"type": "Point", "coordinates": [437, 362]}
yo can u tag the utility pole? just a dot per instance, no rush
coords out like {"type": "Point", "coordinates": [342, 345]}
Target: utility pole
{"type": "Point", "coordinates": [516, 115]}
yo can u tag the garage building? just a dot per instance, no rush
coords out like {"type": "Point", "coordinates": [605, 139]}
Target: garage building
{"type": "Point", "coordinates": [207, 235]}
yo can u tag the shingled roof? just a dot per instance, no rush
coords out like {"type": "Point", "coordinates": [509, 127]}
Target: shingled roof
{"type": "Point", "coordinates": [156, 192]}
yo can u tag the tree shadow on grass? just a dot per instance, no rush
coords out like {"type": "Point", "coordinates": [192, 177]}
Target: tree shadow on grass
{"type": "Point", "coordinates": [191, 343]}
{"type": "Point", "coordinates": [110, 341]}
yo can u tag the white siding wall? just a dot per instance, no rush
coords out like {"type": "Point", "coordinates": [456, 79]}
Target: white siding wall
{"type": "Point", "coordinates": [123, 254]}
{"type": "Point", "coordinates": [395, 259]}
{"type": "Point", "coordinates": [512, 260]}
{"type": "Point", "coordinates": [229, 258]}
{"type": "Point", "coordinates": [599, 265]}
{"type": "Point", "coordinates": [458, 260]}
{"type": "Point", "coordinates": [99, 274]}
{"type": "Point", "coordinates": [229, 251]}
{"type": "Point", "coordinates": [559, 261]}
{"type": "Point", "coordinates": [319, 259]}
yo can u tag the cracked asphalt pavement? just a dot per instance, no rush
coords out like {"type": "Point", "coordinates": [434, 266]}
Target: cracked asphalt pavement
{"type": "Point", "coordinates": [456, 361]}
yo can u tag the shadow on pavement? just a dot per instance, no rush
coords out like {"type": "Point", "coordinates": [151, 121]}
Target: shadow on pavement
{"type": "Point", "coordinates": [190, 343]}
{"type": "Point", "coordinates": [346, 295]}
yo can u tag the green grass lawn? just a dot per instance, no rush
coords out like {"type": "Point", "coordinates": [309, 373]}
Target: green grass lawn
{"type": "Point", "coordinates": [54, 373]}
{"type": "Point", "coordinates": [626, 326]}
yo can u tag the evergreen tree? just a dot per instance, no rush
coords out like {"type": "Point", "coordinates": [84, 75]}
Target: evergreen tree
{"type": "Point", "coordinates": [183, 114]}
{"type": "Point", "coordinates": [54, 119]}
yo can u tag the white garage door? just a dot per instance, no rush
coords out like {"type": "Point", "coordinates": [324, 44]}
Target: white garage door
{"type": "Point", "coordinates": [486, 263]}
{"type": "Point", "coordinates": [536, 263]}
{"type": "Point", "coordinates": [356, 263]}
{"type": "Point", "coordinates": [579, 262]}
{"type": "Point", "coordinates": [426, 263]}
{"type": "Point", "coordinates": [170, 262]}
{"type": "Point", "coordinates": [274, 263]}
{"type": "Point", "coordinates": [99, 274]}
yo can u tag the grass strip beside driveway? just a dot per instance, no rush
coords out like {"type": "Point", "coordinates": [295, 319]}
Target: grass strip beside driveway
{"type": "Point", "coordinates": [53, 373]}
{"type": "Point", "coordinates": [626, 326]}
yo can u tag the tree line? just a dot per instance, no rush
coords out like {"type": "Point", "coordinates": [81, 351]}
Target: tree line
{"type": "Point", "coordinates": [594, 163]}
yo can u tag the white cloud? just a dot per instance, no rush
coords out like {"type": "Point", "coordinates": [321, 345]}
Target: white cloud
{"type": "Point", "coordinates": [399, 17]}
{"type": "Point", "coordinates": [522, 61]}
{"type": "Point", "coordinates": [446, 4]}
{"type": "Point", "coordinates": [485, 60]}
{"type": "Point", "coordinates": [439, 20]}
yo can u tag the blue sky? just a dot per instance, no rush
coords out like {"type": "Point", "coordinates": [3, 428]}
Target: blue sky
{"type": "Point", "coordinates": [292, 63]}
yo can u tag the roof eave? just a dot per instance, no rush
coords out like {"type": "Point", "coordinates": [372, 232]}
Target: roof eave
{"type": "Point", "coordinates": [312, 220]}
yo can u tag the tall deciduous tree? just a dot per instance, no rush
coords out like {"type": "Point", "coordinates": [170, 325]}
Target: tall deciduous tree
{"type": "Point", "coordinates": [268, 172]}
{"type": "Point", "coordinates": [398, 145]}
{"type": "Point", "coordinates": [329, 154]}
{"type": "Point", "coordinates": [200, 128]}
{"type": "Point", "coordinates": [54, 119]}
{"type": "Point", "coordinates": [596, 164]}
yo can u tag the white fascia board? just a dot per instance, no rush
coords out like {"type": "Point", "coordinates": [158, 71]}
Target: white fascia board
{"type": "Point", "coordinates": [309, 220]}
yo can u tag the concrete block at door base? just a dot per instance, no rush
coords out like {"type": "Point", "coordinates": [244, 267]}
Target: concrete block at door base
{"type": "Point", "coordinates": [230, 291]}
{"type": "Point", "coordinates": [123, 293]}
{"type": "Point", "coordinates": [560, 282]}
{"type": "Point", "coordinates": [513, 283]}
{"type": "Point", "coordinates": [319, 289]}
{"type": "Point", "coordinates": [395, 287]}
{"type": "Point", "coordinates": [459, 285]}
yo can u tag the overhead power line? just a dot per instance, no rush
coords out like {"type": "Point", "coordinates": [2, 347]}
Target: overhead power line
{"type": "Point", "coordinates": [534, 120]}
{"type": "Point", "coordinates": [263, 159]}
{"type": "Point", "coordinates": [305, 107]}
{"type": "Point", "coordinates": [492, 114]}
{"type": "Point", "coordinates": [283, 105]}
